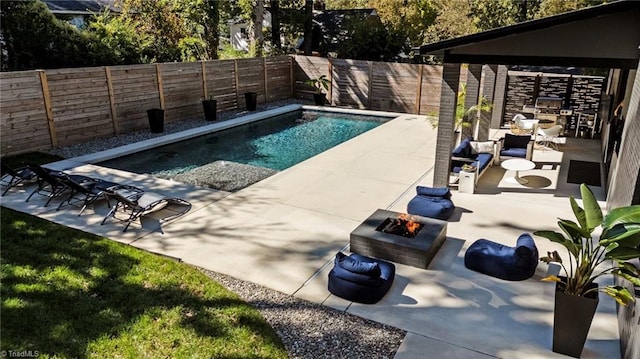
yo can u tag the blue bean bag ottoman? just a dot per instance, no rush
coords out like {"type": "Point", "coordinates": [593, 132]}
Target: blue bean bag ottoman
{"type": "Point", "coordinates": [432, 202]}
{"type": "Point", "coordinates": [500, 261]}
{"type": "Point", "coordinates": [360, 279]}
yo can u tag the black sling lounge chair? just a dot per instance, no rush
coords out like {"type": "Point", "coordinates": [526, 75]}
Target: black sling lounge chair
{"type": "Point", "coordinates": [92, 191]}
{"type": "Point", "coordinates": [138, 204]}
{"type": "Point", "coordinates": [13, 177]}
{"type": "Point", "coordinates": [50, 182]}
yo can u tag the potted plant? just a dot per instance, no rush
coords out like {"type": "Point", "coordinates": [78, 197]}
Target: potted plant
{"type": "Point", "coordinates": [210, 107]}
{"type": "Point", "coordinates": [466, 116]}
{"type": "Point", "coordinates": [251, 100]}
{"type": "Point", "coordinates": [468, 168]}
{"type": "Point", "coordinates": [319, 83]}
{"type": "Point", "coordinates": [576, 296]}
{"type": "Point", "coordinates": [156, 120]}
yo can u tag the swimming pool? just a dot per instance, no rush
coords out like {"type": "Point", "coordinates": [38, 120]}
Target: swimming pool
{"type": "Point", "coordinates": [275, 143]}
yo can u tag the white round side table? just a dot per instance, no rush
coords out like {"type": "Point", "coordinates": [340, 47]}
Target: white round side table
{"type": "Point", "coordinates": [517, 164]}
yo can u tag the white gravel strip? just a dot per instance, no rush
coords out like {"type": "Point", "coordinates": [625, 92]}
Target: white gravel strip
{"type": "Point", "coordinates": [106, 143]}
{"type": "Point", "coordinates": [314, 331]}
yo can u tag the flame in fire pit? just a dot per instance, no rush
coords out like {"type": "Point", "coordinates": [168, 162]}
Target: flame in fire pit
{"type": "Point", "coordinates": [411, 225]}
{"type": "Point", "coordinates": [404, 225]}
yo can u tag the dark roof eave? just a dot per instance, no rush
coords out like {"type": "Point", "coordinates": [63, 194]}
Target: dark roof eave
{"type": "Point", "coordinates": [438, 48]}
{"type": "Point", "coordinates": [541, 61]}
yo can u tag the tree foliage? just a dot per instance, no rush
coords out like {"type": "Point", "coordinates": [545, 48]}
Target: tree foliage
{"type": "Point", "coordinates": [554, 7]}
{"type": "Point", "coordinates": [123, 38]}
{"type": "Point", "coordinates": [368, 39]}
{"type": "Point", "coordinates": [408, 19]}
{"type": "Point", "coordinates": [454, 19]}
{"type": "Point", "coordinates": [188, 30]}
{"type": "Point", "coordinates": [33, 38]}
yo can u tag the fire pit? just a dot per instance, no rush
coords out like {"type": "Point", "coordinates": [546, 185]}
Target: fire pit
{"type": "Point", "coordinates": [398, 237]}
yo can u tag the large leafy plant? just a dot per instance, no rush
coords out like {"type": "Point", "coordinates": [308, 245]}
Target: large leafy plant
{"type": "Point", "coordinates": [589, 259]}
{"type": "Point", "coordinates": [319, 83]}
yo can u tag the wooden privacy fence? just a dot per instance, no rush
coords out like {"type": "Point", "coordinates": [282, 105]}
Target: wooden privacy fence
{"type": "Point", "coordinates": [372, 85]}
{"type": "Point", "coordinates": [48, 108]}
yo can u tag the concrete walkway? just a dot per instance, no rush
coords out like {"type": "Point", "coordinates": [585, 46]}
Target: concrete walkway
{"type": "Point", "coordinates": [283, 232]}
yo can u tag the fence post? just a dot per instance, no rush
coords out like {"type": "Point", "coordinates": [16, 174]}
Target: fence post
{"type": "Point", "coordinates": [370, 83]}
{"type": "Point", "coordinates": [46, 96]}
{"type": "Point", "coordinates": [291, 76]}
{"type": "Point", "coordinates": [112, 101]}
{"type": "Point", "coordinates": [264, 72]}
{"type": "Point", "coordinates": [205, 93]}
{"type": "Point", "coordinates": [235, 72]}
{"type": "Point", "coordinates": [419, 89]}
{"type": "Point", "coordinates": [160, 86]}
{"type": "Point", "coordinates": [330, 82]}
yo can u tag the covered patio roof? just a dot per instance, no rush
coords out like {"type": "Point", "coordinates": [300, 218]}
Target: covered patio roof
{"type": "Point", "coordinates": [600, 36]}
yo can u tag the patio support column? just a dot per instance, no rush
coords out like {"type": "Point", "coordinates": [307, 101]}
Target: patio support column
{"type": "Point", "coordinates": [446, 123]}
{"type": "Point", "coordinates": [488, 87]}
{"type": "Point", "coordinates": [624, 179]}
{"type": "Point", "coordinates": [499, 96]}
{"type": "Point", "coordinates": [472, 97]}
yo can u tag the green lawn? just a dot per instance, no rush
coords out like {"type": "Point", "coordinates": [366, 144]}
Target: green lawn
{"type": "Point", "coordinates": [66, 293]}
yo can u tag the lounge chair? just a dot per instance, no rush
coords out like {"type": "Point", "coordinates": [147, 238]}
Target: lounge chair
{"type": "Point", "coordinates": [136, 205]}
{"type": "Point", "coordinates": [13, 177]}
{"type": "Point", "coordinates": [92, 190]}
{"type": "Point", "coordinates": [50, 182]}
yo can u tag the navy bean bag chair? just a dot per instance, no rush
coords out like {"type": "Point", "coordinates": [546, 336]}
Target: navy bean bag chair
{"type": "Point", "coordinates": [500, 261]}
{"type": "Point", "coordinates": [432, 202]}
{"type": "Point", "coordinates": [360, 279]}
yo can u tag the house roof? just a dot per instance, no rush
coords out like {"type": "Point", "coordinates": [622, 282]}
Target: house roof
{"type": "Point", "coordinates": [79, 7]}
{"type": "Point", "coordinates": [600, 36]}
{"type": "Point", "coordinates": [329, 24]}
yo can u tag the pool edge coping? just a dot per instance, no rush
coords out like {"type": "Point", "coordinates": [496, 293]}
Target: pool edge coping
{"type": "Point", "coordinates": [143, 145]}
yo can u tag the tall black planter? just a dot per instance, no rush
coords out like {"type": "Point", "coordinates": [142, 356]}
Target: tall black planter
{"type": "Point", "coordinates": [571, 321]}
{"type": "Point", "coordinates": [210, 108]}
{"type": "Point", "coordinates": [251, 99]}
{"type": "Point", "coordinates": [156, 120]}
{"type": "Point", "coordinates": [319, 98]}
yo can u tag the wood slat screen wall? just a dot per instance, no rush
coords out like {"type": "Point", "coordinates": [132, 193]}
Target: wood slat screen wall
{"type": "Point", "coordinates": [182, 90]}
{"type": "Point", "coordinates": [135, 89]}
{"type": "Point", "coordinates": [221, 83]}
{"type": "Point", "coordinates": [430, 91]}
{"type": "Point", "coordinates": [306, 68]}
{"type": "Point", "coordinates": [24, 118]}
{"type": "Point", "coordinates": [40, 109]}
{"type": "Point", "coordinates": [350, 83]}
{"type": "Point", "coordinates": [394, 86]}
{"type": "Point", "coordinates": [250, 79]}
{"type": "Point", "coordinates": [80, 104]}
{"type": "Point", "coordinates": [279, 78]}
{"type": "Point", "coordinates": [373, 85]}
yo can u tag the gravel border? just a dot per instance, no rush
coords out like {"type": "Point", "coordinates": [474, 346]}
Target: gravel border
{"type": "Point", "coordinates": [101, 144]}
{"type": "Point", "coordinates": [313, 331]}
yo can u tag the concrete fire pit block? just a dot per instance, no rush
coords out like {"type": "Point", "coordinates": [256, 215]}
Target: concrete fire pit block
{"type": "Point", "coordinates": [417, 251]}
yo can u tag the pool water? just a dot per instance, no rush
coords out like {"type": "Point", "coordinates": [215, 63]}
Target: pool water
{"type": "Point", "coordinates": [277, 143]}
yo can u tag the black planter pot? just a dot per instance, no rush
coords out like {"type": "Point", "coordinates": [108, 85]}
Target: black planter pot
{"type": "Point", "coordinates": [319, 98]}
{"type": "Point", "coordinates": [210, 108]}
{"type": "Point", "coordinates": [251, 99]}
{"type": "Point", "coordinates": [571, 321]}
{"type": "Point", "coordinates": [156, 120]}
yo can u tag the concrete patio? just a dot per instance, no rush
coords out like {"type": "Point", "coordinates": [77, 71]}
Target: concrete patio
{"type": "Point", "coordinates": [283, 232]}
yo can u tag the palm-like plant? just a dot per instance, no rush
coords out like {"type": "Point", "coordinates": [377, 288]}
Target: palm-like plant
{"type": "Point", "coordinates": [619, 242]}
{"type": "Point", "coordinates": [465, 116]}
{"type": "Point", "coordinates": [319, 83]}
